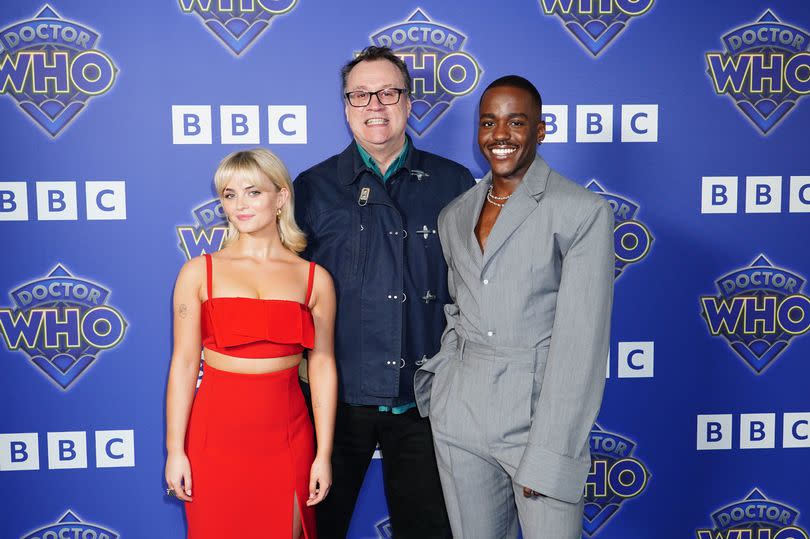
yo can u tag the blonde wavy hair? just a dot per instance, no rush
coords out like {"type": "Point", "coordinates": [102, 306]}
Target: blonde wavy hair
{"type": "Point", "coordinates": [261, 165]}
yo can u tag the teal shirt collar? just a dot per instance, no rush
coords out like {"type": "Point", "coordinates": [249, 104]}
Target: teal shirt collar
{"type": "Point", "coordinates": [398, 163]}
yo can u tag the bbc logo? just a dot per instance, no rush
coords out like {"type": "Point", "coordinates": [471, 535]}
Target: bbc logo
{"type": "Point", "coordinates": [193, 124]}
{"type": "Point", "coordinates": [594, 123]}
{"type": "Point", "coordinates": [58, 201]}
{"type": "Point", "coordinates": [636, 359]}
{"type": "Point", "coordinates": [113, 449]}
{"type": "Point", "coordinates": [763, 194]}
{"type": "Point", "coordinates": [757, 431]}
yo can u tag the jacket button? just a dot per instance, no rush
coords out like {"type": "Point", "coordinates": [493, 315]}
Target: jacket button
{"type": "Point", "coordinates": [490, 333]}
{"type": "Point", "coordinates": [486, 281]}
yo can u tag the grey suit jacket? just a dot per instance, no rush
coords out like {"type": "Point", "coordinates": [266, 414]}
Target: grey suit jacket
{"type": "Point", "coordinates": [544, 281]}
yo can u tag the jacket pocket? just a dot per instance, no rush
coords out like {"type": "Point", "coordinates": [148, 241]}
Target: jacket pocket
{"type": "Point", "coordinates": [358, 240]}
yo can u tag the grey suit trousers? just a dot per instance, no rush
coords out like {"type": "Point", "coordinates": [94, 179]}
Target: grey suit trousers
{"type": "Point", "coordinates": [481, 410]}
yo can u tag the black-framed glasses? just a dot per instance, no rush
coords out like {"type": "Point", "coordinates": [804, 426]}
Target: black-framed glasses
{"type": "Point", "coordinates": [386, 96]}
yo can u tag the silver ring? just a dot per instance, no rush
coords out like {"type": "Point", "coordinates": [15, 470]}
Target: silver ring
{"type": "Point", "coordinates": [171, 493]}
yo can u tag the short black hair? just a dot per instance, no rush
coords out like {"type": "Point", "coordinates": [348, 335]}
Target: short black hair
{"type": "Point", "coordinates": [377, 53]}
{"type": "Point", "coordinates": [515, 81]}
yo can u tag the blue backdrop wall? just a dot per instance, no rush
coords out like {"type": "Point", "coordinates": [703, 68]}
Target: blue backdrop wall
{"type": "Point", "coordinates": [687, 116]}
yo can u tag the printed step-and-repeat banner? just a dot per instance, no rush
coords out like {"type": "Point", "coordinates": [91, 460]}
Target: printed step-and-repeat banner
{"type": "Point", "coordinates": [688, 117]}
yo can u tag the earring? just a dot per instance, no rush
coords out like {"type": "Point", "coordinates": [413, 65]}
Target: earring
{"type": "Point", "coordinates": [278, 213]}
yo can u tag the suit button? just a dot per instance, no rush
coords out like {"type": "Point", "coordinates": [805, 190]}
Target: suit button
{"type": "Point", "coordinates": [486, 281]}
{"type": "Point", "coordinates": [490, 333]}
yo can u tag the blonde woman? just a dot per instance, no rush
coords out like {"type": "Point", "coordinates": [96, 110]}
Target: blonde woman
{"type": "Point", "coordinates": [244, 441]}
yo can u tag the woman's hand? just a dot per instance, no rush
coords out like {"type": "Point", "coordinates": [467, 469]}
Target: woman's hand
{"type": "Point", "coordinates": [320, 480]}
{"type": "Point", "coordinates": [178, 475]}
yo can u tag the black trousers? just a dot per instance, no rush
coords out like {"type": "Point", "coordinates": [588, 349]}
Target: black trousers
{"type": "Point", "coordinates": [410, 476]}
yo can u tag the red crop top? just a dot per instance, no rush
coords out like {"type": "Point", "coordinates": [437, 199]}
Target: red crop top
{"type": "Point", "coordinates": [256, 328]}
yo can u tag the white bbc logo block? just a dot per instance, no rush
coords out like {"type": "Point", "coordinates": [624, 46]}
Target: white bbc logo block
{"type": "Point", "coordinates": [757, 431]}
{"type": "Point", "coordinates": [191, 124]}
{"type": "Point", "coordinates": [639, 123]}
{"type": "Point", "coordinates": [556, 118]}
{"type": "Point", "coordinates": [796, 429]}
{"type": "Point", "coordinates": [13, 201]}
{"type": "Point", "coordinates": [799, 194]}
{"type": "Point", "coordinates": [714, 432]}
{"type": "Point", "coordinates": [239, 124]}
{"type": "Point", "coordinates": [67, 450]}
{"type": "Point", "coordinates": [56, 201]}
{"type": "Point", "coordinates": [287, 124]}
{"type": "Point", "coordinates": [763, 194]}
{"type": "Point", "coordinates": [106, 200]}
{"type": "Point", "coordinates": [115, 448]}
{"type": "Point", "coordinates": [719, 194]}
{"type": "Point", "coordinates": [19, 451]}
{"type": "Point", "coordinates": [636, 359]}
{"type": "Point", "coordinates": [594, 123]}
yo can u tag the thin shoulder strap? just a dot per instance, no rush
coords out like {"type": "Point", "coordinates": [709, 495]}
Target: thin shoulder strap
{"type": "Point", "coordinates": [309, 284]}
{"type": "Point", "coordinates": [208, 274]}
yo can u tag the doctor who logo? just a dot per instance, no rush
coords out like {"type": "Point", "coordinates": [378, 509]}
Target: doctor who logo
{"type": "Point", "coordinates": [52, 68]}
{"type": "Point", "coordinates": [237, 23]}
{"type": "Point", "coordinates": [754, 517]}
{"type": "Point", "coordinates": [71, 526]}
{"type": "Point", "coordinates": [759, 309]}
{"type": "Point", "coordinates": [764, 69]}
{"type": "Point", "coordinates": [596, 23]}
{"type": "Point", "coordinates": [62, 323]}
{"type": "Point", "coordinates": [440, 69]}
{"type": "Point", "coordinates": [632, 239]}
{"type": "Point", "coordinates": [384, 529]}
{"type": "Point", "coordinates": [207, 235]}
{"type": "Point", "coordinates": [615, 477]}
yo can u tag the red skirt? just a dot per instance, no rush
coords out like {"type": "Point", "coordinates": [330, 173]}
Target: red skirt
{"type": "Point", "coordinates": [251, 446]}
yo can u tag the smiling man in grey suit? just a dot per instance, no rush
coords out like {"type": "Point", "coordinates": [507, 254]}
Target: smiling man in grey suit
{"type": "Point", "coordinates": [517, 385]}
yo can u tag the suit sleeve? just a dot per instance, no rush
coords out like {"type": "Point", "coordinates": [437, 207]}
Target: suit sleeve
{"type": "Point", "coordinates": [556, 460]}
{"type": "Point", "coordinates": [423, 378]}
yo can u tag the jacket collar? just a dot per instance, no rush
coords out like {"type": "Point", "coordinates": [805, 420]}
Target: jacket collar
{"type": "Point", "coordinates": [351, 165]}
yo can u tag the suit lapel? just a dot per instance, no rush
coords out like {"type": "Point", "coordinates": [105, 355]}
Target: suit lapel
{"type": "Point", "coordinates": [516, 210]}
{"type": "Point", "coordinates": [519, 206]}
{"type": "Point", "coordinates": [468, 218]}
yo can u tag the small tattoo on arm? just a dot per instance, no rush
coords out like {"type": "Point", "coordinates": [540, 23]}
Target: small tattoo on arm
{"type": "Point", "coordinates": [182, 311]}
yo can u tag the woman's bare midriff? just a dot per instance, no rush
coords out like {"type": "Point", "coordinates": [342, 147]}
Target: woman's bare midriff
{"type": "Point", "coordinates": [244, 365]}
